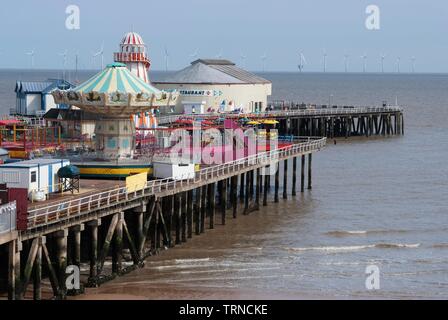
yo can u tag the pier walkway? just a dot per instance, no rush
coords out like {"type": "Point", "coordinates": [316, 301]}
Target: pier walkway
{"type": "Point", "coordinates": [99, 225]}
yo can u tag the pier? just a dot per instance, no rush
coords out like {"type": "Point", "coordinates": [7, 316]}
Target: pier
{"type": "Point", "coordinates": [125, 227]}
{"type": "Point", "coordinates": [338, 121]}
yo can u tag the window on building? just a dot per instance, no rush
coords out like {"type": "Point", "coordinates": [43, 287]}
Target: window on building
{"type": "Point", "coordinates": [33, 176]}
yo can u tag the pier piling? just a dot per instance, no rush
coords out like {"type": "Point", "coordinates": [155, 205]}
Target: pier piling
{"type": "Point", "coordinates": [285, 179]}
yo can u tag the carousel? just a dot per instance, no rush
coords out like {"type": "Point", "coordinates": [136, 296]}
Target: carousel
{"type": "Point", "coordinates": [118, 96]}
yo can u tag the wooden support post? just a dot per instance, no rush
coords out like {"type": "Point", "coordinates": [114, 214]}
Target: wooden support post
{"type": "Point", "coordinates": [171, 213]}
{"type": "Point", "coordinates": [234, 196]}
{"type": "Point", "coordinates": [151, 210]}
{"type": "Point", "coordinates": [93, 251]}
{"type": "Point", "coordinates": [29, 267]}
{"type": "Point", "coordinates": [242, 186]}
{"type": "Point", "coordinates": [107, 241]}
{"type": "Point", "coordinates": [402, 124]}
{"type": "Point", "coordinates": [223, 200]}
{"type": "Point", "coordinates": [251, 185]}
{"type": "Point", "coordinates": [158, 225]}
{"type": "Point", "coordinates": [203, 207]}
{"type": "Point", "coordinates": [246, 196]}
{"type": "Point", "coordinates": [294, 175]}
{"type": "Point", "coordinates": [310, 157]}
{"type": "Point", "coordinates": [266, 186]}
{"type": "Point", "coordinates": [258, 189]}
{"type": "Point", "coordinates": [190, 213]}
{"type": "Point", "coordinates": [117, 255]}
{"type": "Point", "coordinates": [198, 210]}
{"type": "Point", "coordinates": [184, 216]}
{"type": "Point", "coordinates": [178, 216]}
{"type": "Point", "coordinates": [12, 270]}
{"type": "Point", "coordinates": [132, 248]}
{"type": "Point", "coordinates": [285, 179]}
{"type": "Point", "coordinates": [37, 291]}
{"type": "Point", "coordinates": [212, 204]}
{"type": "Point", "coordinates": [163, 230]}
{"type": "Point", "coordinates": [77, 244]}
{"type": "Point", "coordinates": [61, 243]}
{"type": "Point", "coordinates": [277, 172]}
{"type": "Point", "coordinates": [302, 175]}
{"type": "Point", "coordinates": [51, 272]}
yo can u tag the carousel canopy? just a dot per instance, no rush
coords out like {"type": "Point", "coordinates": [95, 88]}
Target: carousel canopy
{"type": "Point", "coordinates": [116, 77]}
{"type": "Point", "coordinates": [115, 91]}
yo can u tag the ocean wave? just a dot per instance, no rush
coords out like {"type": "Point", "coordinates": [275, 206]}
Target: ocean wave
{"type": "Point", "coordinates": [355, 247]}
{"type": "Point", "coordinates": [341, 233]}
{"type": "Point", "coordinates": [344, 233]}
{"type": "Point", "coordinates": [180, 261]}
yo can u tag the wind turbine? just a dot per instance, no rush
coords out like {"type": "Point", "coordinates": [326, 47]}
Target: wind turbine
{"type": "Point", "coordinates": [219, 55]}
{"type": "Point", "coordinates": [412, 61]}
{"type": "Point", "coordinates": [76, 66]}
{"type": "Point", "coordinates": [398, 64]}
{"type": "Point", "coordinates": [31, 54]}
{"type": "Point", "coordinates": [64, 64]}
{"type": "Point", "coordinates": [243, 60]}
{"type": "Point", "coordinates": [167, 55]}
{"type": "Point", "coordinates": [263, 60]}
{"type": "Point", "coordinates": [364, 58]}
{"type": "Point", "coordinates": [383, 56]}
{"type": "Point", "coordinates": [195, 54]}
{"type": "Point", "coordinates": [346, 56]}
{"type": "Point", "coordinates": [100, 53]}
{"type": "Point", "coordinates": [302, 61]}
{"type": "Point", "coordinates": [325, 60]}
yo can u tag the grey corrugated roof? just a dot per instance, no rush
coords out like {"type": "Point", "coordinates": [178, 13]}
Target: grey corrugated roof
{"type": "Point", "coordinates": [71, 115]}
{"type": "Point", "coordinates": [40, 86]}
{"type": "Point", "coordinates": [214, 71]}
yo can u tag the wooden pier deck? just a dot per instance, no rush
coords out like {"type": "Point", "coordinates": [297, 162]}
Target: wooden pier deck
{"type": "Point", "coordinates": [95, 226]}
{"type": "Point", "coordinates": [331, 122]}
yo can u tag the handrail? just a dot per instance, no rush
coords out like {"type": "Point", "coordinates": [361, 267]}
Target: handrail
{"type": "Point", "coordinates": [280, 113]}
{"type": "Point", "coordinates": [52, 213]}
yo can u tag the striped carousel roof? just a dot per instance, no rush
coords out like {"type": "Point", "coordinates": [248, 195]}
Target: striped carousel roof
{"type": "Point", "coordinates": [132, 38]}
{"type": "Point", "coordinates": [116, 77]}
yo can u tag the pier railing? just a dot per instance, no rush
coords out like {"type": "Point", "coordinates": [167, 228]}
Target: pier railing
{"type": "Point", "coordinates": [54, 213]}
{"type": "Point", "coordinates": [282, 113]}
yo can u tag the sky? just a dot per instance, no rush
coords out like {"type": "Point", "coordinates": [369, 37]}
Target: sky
{"type": "Point", "coordinates": [278, 29]}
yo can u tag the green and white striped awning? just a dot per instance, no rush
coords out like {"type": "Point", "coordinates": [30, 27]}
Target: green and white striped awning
{"type": "Point", "coordinates": [115, 92]}
{"type": "Point", "coordinates": [116, 77]}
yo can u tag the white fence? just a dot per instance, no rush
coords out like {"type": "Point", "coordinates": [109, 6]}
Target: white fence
{"type": "Point", "coordinates": [8, 217]}
{"type": "Point", "coordinates": [53, 213]}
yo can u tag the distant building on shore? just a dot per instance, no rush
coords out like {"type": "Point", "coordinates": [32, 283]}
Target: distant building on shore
{"type": "Point", "coordinates": [215, 85]}
{"type": "Point", "coordinates": [33, 98]}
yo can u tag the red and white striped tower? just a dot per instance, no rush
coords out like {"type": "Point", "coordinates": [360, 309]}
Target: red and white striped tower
{"type": "Point", "coordinates": [133, 54]}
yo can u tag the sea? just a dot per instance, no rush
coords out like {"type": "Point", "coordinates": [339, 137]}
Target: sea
{"type": "Point", "coordinates": [374, 226]}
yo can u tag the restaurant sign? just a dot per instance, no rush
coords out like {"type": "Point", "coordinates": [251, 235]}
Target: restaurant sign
{"type": "Point", "coordinates": [200, 93]}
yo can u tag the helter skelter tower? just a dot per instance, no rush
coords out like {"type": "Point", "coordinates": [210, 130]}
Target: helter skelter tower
{"type": "Point", "coordinates": [133, 54]}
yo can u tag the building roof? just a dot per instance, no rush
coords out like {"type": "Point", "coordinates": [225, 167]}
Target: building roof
{"type": "Point", "coordinates": [132, 38]}
{"type": "Point", "coordinates": [214, 71]}
{"type": "Point", "coordinates": [32, 163]}
{"type": "Point", "coordinates": [116, 77]}
{"type": "Point", "coordinates": [70, 115]}
{"type": "Point", "coordinates": [41, 86]}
